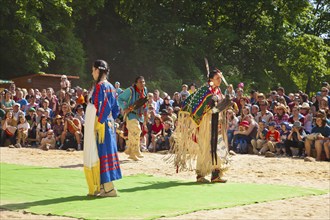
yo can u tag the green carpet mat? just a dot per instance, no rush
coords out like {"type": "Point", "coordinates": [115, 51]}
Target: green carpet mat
{"type": "Point", "coordinates": [62, 192]}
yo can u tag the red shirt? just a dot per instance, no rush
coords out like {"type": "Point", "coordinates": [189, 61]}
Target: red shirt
{"type": "Point", "coordinates": [273, 136]}
{"type": "Point", "coordinates": [155, 129]}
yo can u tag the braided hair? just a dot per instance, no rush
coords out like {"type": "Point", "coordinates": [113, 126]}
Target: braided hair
{"type": "Point", "coordinates": [103, 68]}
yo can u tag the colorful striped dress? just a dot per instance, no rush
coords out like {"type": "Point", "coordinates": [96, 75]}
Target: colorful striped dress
{"type": "Point", "coordinates": [103, 106]}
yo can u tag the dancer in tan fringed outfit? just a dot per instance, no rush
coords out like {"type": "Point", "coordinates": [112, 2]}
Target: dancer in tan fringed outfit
{"type": "Point", "coordinates": [197, 137]}
{"type": "Point", "coordinates": [133, 101]}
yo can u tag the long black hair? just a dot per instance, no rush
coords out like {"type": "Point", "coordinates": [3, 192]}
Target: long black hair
{"type": "Point", "coordinates": [213, 72]}
{"type": "Point", "coordinates": [103, 68]}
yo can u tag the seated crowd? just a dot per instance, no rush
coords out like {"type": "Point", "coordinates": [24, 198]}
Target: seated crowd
{"type": "Point", "coordinates": [273, 124]}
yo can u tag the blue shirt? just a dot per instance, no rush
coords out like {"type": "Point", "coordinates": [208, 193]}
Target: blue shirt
{"type": "Point", "coordinates": [127, 98]}
{"type": "Point", "coordinates": [23, 103]}
{"type": "Point", "coordinates": [325, 131]}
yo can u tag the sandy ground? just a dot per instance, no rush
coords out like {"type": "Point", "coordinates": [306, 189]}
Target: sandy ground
{"type": "Point", "coordinates": [245, 168]}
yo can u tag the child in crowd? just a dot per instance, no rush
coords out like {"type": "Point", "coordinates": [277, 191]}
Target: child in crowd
{"type": "Point", "coordinates": [260, 138]}
{"type": "Point", "coordinates": [48, 142]}
{"type": "Point", "coordinates": [31, 118]}
{"type": "Point", "coordinates": [241, 143]}
{"type": "Point", "coordinates": [284, 133]}
{"type": "Point", "coordinates": [42, 128]}
{"type": "Point", "coordinates": [163, 143]}
{"type": "Point", "coordinates": [22, 131]}
{"type": "Point", "coordinates": [80, 114]}
{"type": "Point", "coordinates": [232, 123]}
{"type": "Point", "coordinates": [295, 140]}
{"type": "Point", "coordinates": [58, 128]}
{"type": "Point", "coordinates": [156, 131]}
{"type": "Point", "coordinates": [272, 137]}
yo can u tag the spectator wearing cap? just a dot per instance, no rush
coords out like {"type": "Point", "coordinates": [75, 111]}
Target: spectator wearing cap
{"type": "Point", "coordinates": [20, 99]}
{"type": "Point", "coordinates": [42, 128]}
{"type": "Point", "coordinates": [308, 117]}
{"type": "Point", "coordinates": [264, 114]}
{"type": "Point", "coordinates": [246, 135]}
{"type": "Point", "coordinates": [72, 127]}
{"type": "Point", "coordinates": [166, 103]}
{"type": "Point", "coordinates": [80, 114]}
{"type": "Point", "coordinates": [272, 138]}
{"type": "Point", "coordinates": [158, 100]}
{"type": "Point", "coordinates": [118, 89]}
{"type": "Point", "coordinates": [8, 102]}
{"type": "Point", "coordinates": [17, 111]}
{"type": "Point", "coordinates": [254, 110]}
{"type": "Point", "coordinates": [320, 135]}
{"type": "Point", "coordinates": [184, 91]}
{"type": "Point", "coordinates": [48, 142]}
{"type": "Point", "coordinates": [80, 100]}
{"type": "Point", "coordinates": [65, 83]}
{"type": "Point", "coordinates": [284, 132]}
{"type": "Point", "coordinates": [165, 116]}
{"type": "Point", "coordinates": [295, 140]}
{"type": "Point", "coordinates": [260, 139]}
{"type": "Point", "coordinates": [172, 114]}
{"type": "Point", "coordinates": [281, 115]}
{"type": "Point", "coordinates": [241, 142]}
{"type": "Point", "coordinates": [58, 128]}
{"type": "Point", "coordinates": [177, 102]}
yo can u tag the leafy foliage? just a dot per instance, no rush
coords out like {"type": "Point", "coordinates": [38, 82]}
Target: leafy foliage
{"type": "Point", "coordinates": [265, 44]}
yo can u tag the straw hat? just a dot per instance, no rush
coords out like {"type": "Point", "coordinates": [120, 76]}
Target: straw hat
{"type": "Point", "coordinates": [58, 117]}
{"type": "Point", "coordinates": [305, 105]}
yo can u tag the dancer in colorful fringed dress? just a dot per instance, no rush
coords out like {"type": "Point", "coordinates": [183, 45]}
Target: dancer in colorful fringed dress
{"type": "Point", "coordinates": [133, 101]}
{"type": "Point", "coordinates": [196, 136]}
{"type": "Point", "coordinates": [101, 163]}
